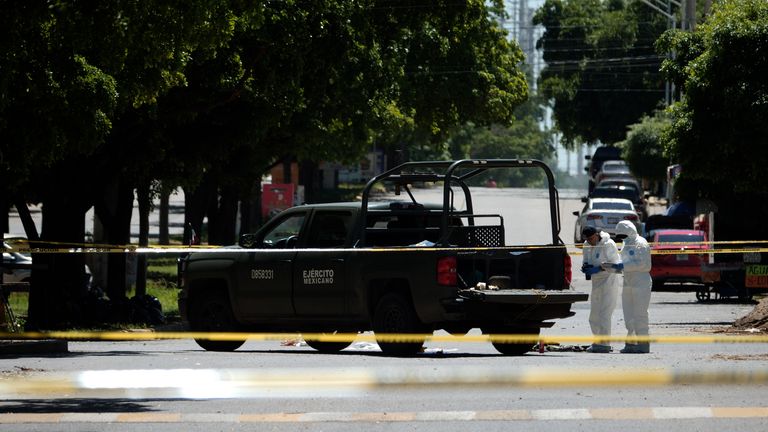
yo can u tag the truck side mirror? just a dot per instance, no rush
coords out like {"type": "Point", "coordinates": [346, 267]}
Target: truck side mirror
{"type": "Point", "coordinates": [575, 213]}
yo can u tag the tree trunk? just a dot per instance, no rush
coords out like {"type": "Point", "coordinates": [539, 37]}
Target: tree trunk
{"type": "Point", "coordinates": [26, 220]}
{"type": "Point", "coordinates": [163, 233]}
{"type": "Point", "coordinates": [59, 282]}
{"type": "Point", "coordinates": [115, 211]}
{"type": "Point", "coordinates": [308, 177]}
{"type": "Point", "coordinates": [142, 194]}
{"type": "Point", "coordinates": [250, 209]}
{"type": "Point", "coordinates": [196, 203]}
{"type": "Point", "coordinates": [222, 218]}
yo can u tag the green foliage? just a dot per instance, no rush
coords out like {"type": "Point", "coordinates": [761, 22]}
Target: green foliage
{"type": "Point", "coordinates": [523, 139]}
{"type": "Point", "coordinates": [602, 70]}
{"type": "Point", "coordinates": [644, 147]}
{"type": "Point", "coordinates": [719, 129]}
{"type": "Point", "coordinates": [97, 100]}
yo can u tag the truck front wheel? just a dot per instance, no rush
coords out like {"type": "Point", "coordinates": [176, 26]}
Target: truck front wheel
{"type": "Point", "coordinates": [212, 313]}
{"type": "Point", "coordinates": [513, 348]}
{"type": "Point", "coordinates": [395, 315]}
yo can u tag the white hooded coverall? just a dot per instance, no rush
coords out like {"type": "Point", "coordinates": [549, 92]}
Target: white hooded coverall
{"type": "Point", "coordinates": [605, 284]}
{"type": "Point", "coordinates": [636, 294]}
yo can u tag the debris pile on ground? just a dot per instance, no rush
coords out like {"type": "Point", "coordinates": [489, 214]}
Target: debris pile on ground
{"type": "Point", "coordinates": [756, 319]}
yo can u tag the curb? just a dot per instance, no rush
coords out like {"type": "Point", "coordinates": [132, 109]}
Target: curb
{"type": "Point", "coordinates": [24, 347]}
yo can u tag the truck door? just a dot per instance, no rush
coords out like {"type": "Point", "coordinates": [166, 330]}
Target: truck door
{"type": "Point", "coordinates": [266, 278]}
{"type": "Point", "coordinates": [319, 281]}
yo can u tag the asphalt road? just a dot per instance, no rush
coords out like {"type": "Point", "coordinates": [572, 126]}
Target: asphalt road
{"type": "Point", "coordinates": [322, 405]}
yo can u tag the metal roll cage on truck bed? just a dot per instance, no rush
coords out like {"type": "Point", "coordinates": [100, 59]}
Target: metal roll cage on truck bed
{"type": "Point", "coordinates": [395, 267]}
{"type": "Point", "coordinates": [400, 178]}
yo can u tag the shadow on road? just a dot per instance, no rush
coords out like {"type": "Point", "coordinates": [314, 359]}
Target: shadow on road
{"type": "Point", "coordinates": [35, 406]}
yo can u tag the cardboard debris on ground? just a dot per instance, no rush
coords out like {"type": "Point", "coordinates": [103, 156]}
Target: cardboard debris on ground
{"type": "Point", "coordinates": [293, 342]}
{"type": "Point", "coordinates": [756, 320]}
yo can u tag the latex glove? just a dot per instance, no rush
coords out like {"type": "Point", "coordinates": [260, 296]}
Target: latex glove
{"type": "Point", "coordinates": [585, 268]}
{"type": "Point", "coordinates": [593, 270]}
{"type": "Point", "coordinates": [609, 266]}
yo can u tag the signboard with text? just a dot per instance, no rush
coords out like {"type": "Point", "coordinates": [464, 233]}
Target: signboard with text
{"type": "Point", "coordinates": [757, 276]}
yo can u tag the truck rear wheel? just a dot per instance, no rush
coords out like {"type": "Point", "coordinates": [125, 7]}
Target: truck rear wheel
{"type": "Point", "coordinates": [328, 347]}
{"type": "Point", "coordinates": [395, 315]}
{"type": "Point", "coordinates": [212, 313]}
{"type": "Point", "coordinates": [513, 348]}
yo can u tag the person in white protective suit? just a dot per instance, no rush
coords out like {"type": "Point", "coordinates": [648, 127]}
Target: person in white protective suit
{"type": "Point", "coordinates": [599, 252]}
{"type": "Point", "coordinates": [636, 293]}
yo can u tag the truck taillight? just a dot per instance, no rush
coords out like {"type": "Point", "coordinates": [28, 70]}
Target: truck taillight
{"type": "Point", "coordinates": [446, 271]}
{"type": "Point", "coordinates": [594, 216]}
{"type": "Point", "coordinates": [630, 217]}
{"type": "Point", "coordinates": [567, 270]}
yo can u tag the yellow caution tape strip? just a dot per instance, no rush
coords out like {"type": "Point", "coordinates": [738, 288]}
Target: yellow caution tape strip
{"type": "Point", "coordinates": [370, 337]}
{"type": "Point", "coordinates": [238, 383]}
{"type": "Point", "coordinates": [88, 249]}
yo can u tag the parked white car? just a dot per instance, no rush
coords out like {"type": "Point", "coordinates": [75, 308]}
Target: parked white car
{"type": "Point", "coordinates": [17, 274]}
{"type": "Point", "coordinates": [603, 214]}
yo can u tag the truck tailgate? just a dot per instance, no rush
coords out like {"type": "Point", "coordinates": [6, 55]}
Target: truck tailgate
{"type": "Point", "coordinates": [523, 296]}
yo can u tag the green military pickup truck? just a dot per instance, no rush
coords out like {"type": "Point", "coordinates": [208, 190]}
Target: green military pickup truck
{"type": "Point", "coordinates": [400, 266]}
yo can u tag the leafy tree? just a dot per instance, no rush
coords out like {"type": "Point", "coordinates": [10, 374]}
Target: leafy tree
{"type": "Point", "coordinates": [210, 92]}
{"type": "Point", "coordinates": [602, 70]}
{"type": "Point", "coordinates": [523, 139]}
{"type": "Point", "coordinates": [719, 127]}
{"type": "Point", "coordinates": [644, 147]}
{"type": "Point", "coordinates": [65, 92]}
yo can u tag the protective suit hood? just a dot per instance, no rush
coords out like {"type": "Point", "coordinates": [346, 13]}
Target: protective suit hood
{"type": "Point", "coordinates": [627, 228]}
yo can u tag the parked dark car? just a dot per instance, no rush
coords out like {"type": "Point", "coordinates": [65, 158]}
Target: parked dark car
{"type": "Point", "coordinates": [612, 168]}
{"type": "Point", "coordinates": [602, 154]}
{"type": "Point", "coordinates": [623, 179]}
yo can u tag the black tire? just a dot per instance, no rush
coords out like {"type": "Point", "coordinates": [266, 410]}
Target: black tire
{"type": "Point", "coordinates": [510, 348]}
{"type": "Point", "coordinates": [213, 313]}
{"type": "Point", "coordinates": [703, 294]}
{"type": "Point", "coordinates": [395, 315]}
{"type": "Point", "coordinates": [657, 285]}
{"type": "Point", "coordinates": [328, 347]}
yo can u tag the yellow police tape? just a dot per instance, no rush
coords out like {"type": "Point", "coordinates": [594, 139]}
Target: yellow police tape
{"type": "Point", "coordinates": [309, 382]}
{"type": "Point", "coordinates": [379, 337]}
{"type": "Point", "coordinates": [133, 249]}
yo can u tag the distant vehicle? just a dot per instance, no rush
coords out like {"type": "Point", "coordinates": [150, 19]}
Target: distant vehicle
{"type": "Point", "coordinates": [22, 266]}
{"type": "Point", "coordinates": [603, 214]}
{"type": "Point", "coordinates": [602, 154]}
{"type": "Point", "coordinates": [612, 168]}
{"type": "Point", "coordinates": [21, 263]}
{"type": "Point", "coordinates": [624, 192]}
{"type": "Point", "coordinates": [677, 267]}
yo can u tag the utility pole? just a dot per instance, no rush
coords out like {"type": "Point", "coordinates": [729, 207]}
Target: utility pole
{"type": "Point", "coordinates": [689, 15]}
{"type": "Point", "coordinates": [687, 22]}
